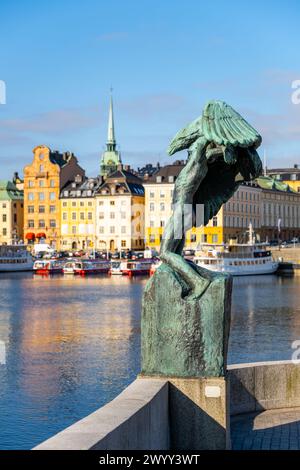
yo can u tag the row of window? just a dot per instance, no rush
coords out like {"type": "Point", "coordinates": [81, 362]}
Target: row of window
{"type": "Point", "coordinates": [41, 209]}
{"type": "Point", "coordinates": [231, 221]}
{"type": "Point", "coordinates": [112, 229]}
{"type": "Point", "coordinates": [162, 206]}
{"type": "Point", "coordinates": [82, 215]}
{"type": "Point", "coordinates": [41, 196]}
{"type": "Point", "coordinates": [162, 194]}
{"type": "Point", "coordinates": [253, 209]}
{"type": "Point", "coordinates": [74, 203]}
{"type": "Point", "coordinates": [112, 215]}
{"type": "Point", "coordinates": [247, 196]}
{"type": "Point", "coordinates": [41, 223]}
{"type": "Point", "coordinates": [42, 183]}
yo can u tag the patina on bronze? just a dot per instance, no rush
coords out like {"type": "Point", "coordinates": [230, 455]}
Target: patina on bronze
{"type": "Point", "coordinates": [186, 309]}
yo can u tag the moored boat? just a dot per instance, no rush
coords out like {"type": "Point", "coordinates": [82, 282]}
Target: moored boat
{"type": "Point", "coordinates": [85, 267]}
{"type": "Point", "coordinates": [48, 266]}
{"type": "Point", "coordinates": [15, 258]}
{"type": "Point", "coordinates": [130, 267]}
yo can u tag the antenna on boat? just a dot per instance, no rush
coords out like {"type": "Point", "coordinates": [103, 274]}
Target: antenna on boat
{"type": "Point", "coordinates": [265, 162]}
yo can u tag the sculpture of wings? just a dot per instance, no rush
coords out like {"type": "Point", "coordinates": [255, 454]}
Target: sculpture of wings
{"type": "Point", "coordinates": [236, 142]}
{"type": "Point", "coordinates": [220, 124]}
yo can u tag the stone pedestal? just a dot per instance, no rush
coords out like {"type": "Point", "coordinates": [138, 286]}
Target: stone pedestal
{"type": "Point", "coordinates": [185, 340]}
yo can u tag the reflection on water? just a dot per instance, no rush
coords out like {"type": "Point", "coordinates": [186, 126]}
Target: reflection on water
{"type": "Point", "coordinates": [265, 318]}
{"type": "Point", "coordinates": [72, 343]}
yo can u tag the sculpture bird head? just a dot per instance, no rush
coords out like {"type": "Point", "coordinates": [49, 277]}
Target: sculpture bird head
{"type": "Point", "coordinates": [230, 153]}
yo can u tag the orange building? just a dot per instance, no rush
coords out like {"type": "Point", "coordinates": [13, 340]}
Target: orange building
{"type": "Point", "coordinates": [44, 178]}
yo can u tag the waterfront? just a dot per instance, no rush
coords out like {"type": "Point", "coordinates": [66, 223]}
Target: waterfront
{"type": "Point", "coordinates": [73, 343]}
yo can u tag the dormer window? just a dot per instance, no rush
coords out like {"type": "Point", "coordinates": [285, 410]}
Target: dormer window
{"type": "Point", "coordinates": [89, 192]}
{"type": "Point", "coordinates": [78, 193]}
{"type": "Point", "coordinates": [66, 193]}
{"type": "Point", "coordinates": [158, 179]}
{"type": "Point", "coordinates": [74, 185]}
{"type": "Point", "coordinates": [171, 179]}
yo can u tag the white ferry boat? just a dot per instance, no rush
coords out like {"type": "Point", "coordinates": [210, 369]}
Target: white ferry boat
{"type": "Point", "coordinates": [48, 266]}
{"type": "Point", "coordinates": [238, 260]}
{"type": "Point", "coordinates": [131, 268]}
{"type": "Point", "coordinates": [15, 258]}
{"type": "Point", "coordinates": [85, 267]}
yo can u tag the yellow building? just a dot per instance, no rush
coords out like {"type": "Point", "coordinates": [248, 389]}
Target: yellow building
{"type": "Point", "coordinates": [11, 213]}
{"type": "Point", "coordinates": [44, 178]}
{"type": "Point", "coordinates": [77, 202]}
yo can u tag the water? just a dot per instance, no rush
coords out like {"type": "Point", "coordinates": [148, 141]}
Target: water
{"type": "Point", "coordinates": [72, 344]}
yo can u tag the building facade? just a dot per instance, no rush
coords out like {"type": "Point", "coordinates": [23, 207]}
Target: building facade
{"type": "Point", "coordinates": [44, 179]}
{"type": "Point", "coordinates": [264, 203]}
{"type": "Point", "coordinates": [77, 209]}
{"type": "Point", "coordinates": [11, 213]}
{"type": "Point", "coordinates": [120, 204]}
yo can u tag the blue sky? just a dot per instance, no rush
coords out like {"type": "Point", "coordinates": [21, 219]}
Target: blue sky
{"type": "Point", "coordinates": [164, 59]}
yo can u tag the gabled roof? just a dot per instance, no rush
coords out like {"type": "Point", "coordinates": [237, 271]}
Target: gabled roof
{"type": "Point", "coordinates": [122, 182]}
{"type": "Point", "coordinates": [9, 191]}
{"type": "Point", "coordinates": [162, 176]}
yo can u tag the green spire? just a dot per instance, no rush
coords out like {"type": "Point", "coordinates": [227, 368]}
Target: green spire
{"type": "Point", "coordinates": [111, 141]}
{"type": "Point", "coordinates": [111, 158]}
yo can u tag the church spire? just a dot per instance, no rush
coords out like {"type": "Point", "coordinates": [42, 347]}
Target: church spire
{"type": "Point", "coordinates": [111, 158]}
{"type": "Point", "coordinates": [111, 141]}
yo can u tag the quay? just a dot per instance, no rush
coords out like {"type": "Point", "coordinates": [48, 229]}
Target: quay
{"type": "Point", "coordinates": [262, 407]}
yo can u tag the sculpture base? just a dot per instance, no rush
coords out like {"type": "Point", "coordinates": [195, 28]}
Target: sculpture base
{"type": "Point", "coordinates": [183, 336]}
{"type": "Point", "coordinates": [198, 413]}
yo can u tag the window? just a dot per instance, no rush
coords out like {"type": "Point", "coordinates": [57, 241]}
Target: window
{"type": "Point", "coordinates": [112, 203]}
{"type": "Point", "coordinates": [162, 194]}
{"type": "Point", "coordinates": [152, 207]}
{"type": "Point", "coordinates": [73, 229]}
{"type": "Point", "coordinates": [52, 223]}
{"type": "Point", "coordinates": [162, 206]}
{"type": "Point", "coordinates": [101, 229]}
{"type": "Point", "coordinates": [101, 215]}
{"type": "Point", "coordinates": [152, 238]}
{"type": "Point", "coordinates": [65, 215]}
{"type": "Point", "coordinates": [100, 203]}
{"type": "Point", "coordinates": [73, 215]}
{"type": "Point", "coordinates": [162, 223]}
{"type": "Point", "coordinates": [112, 229]}
{"type": "Point", "coordinates": [4, 232]}
{"type": "Point", "coordinates": [52, 196]}
{"type": "Point", "coordinates": [30, 209]}
{"type": "Point", "coordinates": [90, 203]}
{"type": "Point", "coordinates": [90, 215]}
{"type": "Point", "coordinates": [52, 209]}
{"type": "Point", "coordinates": [52, 183]}
{"type": "Point", "coordinates": [193, 237]}
{"type": "Point", "coordinates": [81, 203]}
{"type": "Point", "coordinates": [41, 223]}
{"type": "Point", "coordinates": [123, 215]}
{"type": "Point", "coordinates": [31, 223]}
{"type": "Point", "coordinates": [81, 216]}
{"type": "Point", "coordinates": [215, 238]}
{"type": "Point", "coordinates": [123, 229]}
{"type": "Point", "coordinates": [151, 223]}
{"type": "Point", "coordinates": [215, 221]}
{"type": "Point", "coordinates": [4, 218]}
{"type": "Point", "coordinates": [152, 194]}
{"type": "Point", "coordinates": [30, 196]}
{"type": "Point", "coordinates": [65, 204]}
{"type": "Point", "coordinates": [66, 193]}
{"type": "Point", "coordinates": [73, 203]}
{"type": "Point", "coordinates": [123, 243]}
{"type": "Point", "coordinates": [204, 238]}
{"type": "Point", "coordinates": [41, 196]}
{"type": "Point", "coordinates": [41, 168]}
{"type": "Point", "coordinates": [41, 183]}
{"type": "Point", "coordinates": [112, 215]}
{"type": "Point", "coordinates": [30, 184]}
{"type": "Point", "coordinates": [41, 209]}
{"type": "Point", "coordinates": [123, 203]}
